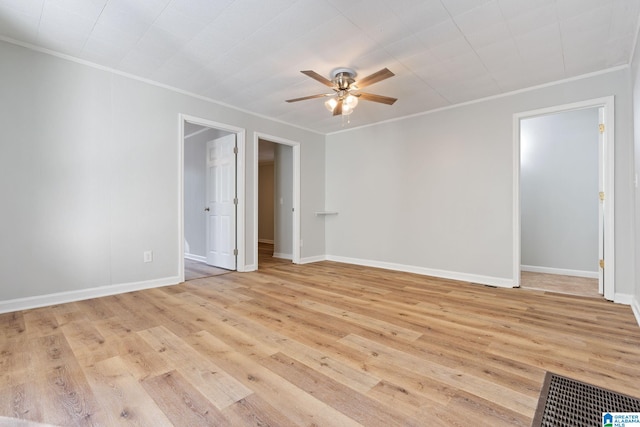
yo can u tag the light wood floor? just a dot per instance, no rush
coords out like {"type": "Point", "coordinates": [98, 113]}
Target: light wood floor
{"type": "Point", "coordinates": [266, 258]}
{"type": "Point", "coordinates": [198, 270]}
{"type": "Point", "coordinates": [572, 285]}
{"type": "Point", "coordinates": [322, 344]}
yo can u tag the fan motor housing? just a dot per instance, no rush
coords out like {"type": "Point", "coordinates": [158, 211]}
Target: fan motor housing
{"type": "Point", "coordinates": [343, 77]}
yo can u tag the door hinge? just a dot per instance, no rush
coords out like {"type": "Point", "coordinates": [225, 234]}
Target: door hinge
{"type": "Point", "coordinates": [602, 263]}
{"type": "Point", "coordinates": [235, 150]}
{"type": "Point", "coordinates": [235, 200]}
{"type": "Point", "coordinates": [602, 196]}
{"type": "Point", "coordinates": [601, 127]}
{"type": "Point", "coordinates": [235, 252]}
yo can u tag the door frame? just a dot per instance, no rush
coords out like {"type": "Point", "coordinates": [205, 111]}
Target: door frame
{"type": "Point", "coordinates": [296, 192]}
{"type": "Point", "coordinates": [607, 104]}
{"type": "Point", "coordinates": [240, 187]}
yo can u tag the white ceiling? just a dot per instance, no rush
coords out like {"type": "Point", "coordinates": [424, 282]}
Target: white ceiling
{"type": "Point", "coordinates": [249, 53]}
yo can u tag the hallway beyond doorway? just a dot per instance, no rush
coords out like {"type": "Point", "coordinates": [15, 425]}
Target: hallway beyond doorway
{"type": "Point", "coordinates": [266, 258]}
{"type": "Point", "coordinates": [579, 286]}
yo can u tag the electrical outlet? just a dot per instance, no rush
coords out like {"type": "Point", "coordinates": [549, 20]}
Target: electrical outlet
{"type": "Point", "coordinates": [148, 256]}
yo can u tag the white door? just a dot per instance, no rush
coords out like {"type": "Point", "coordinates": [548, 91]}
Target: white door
{"type": "Point", "coordinates": [221, 202]}
{"type": "Point", "coordinates": [601, 206]}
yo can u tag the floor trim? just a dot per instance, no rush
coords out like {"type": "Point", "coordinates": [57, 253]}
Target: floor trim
{"type": "Point", "coordinates": [635, 306]}
{"type": "Point", "coordinates": [198, 258]}
{"type": "Point", "coordinates": [452, 275]}
{"type": "Point", "coordinates": [560, 271]}
{"type": "Point", "coordinates": [83, 294]}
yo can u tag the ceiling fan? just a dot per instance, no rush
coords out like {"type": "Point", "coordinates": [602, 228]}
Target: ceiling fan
{"type": "Point", "coordinates": [346, 90]}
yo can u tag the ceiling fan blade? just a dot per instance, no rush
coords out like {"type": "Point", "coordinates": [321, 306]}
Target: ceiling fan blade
{"type": "Point", "coordinates": [318, 77]}
{"type": "Point", "coordinates": [338, 110]}
{"type": "Point", "coordinates": [385, 73]}
{"type": "Point", "coordinates": [322, 95]}
{"type": "Point", "coordinates": [377, 98]}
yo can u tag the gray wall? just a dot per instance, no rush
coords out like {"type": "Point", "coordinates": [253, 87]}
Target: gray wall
{"type": "Point", "coordinates": [283, 207]}
{"type": "Point", "coordinates": [434, 193]}
{"type": "Point", "coordinates": [89, 177]}
{"type": "Point", "coordinates": [559, 191]}
{"type": "Point", "coordinates": [195, 175]}
{"type": "Point", "coordinates": [266, 198]}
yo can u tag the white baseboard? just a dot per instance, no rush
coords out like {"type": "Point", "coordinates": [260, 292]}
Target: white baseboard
{"type": "Point", "coordinates": [79, 295]}
{"type": "Point", "coordinates": [635, 306]}
{"type": "Point", "coordinates": [248, 268]}
{"type": "Point", "coordinates": [625, 299]}
{"type": "Point", "coordinates": [269, 241]}
{"type": "Point", "coordinates": [283, 256]}
{"type": "Point", "coordinates": [560, 271]}
{"type": "Point", "coordinates": [452, 275]}
{"type": "Point", "coordinates": [310, 259]}
{"type": "Point", "coordinates": [198, 258]}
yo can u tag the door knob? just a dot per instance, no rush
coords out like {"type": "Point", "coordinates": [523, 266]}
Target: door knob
{"type": "Point", "coordinates": [206, 209]}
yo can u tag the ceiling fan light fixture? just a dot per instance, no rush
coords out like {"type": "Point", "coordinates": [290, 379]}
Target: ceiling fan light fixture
{"type": "Point", "coordinates": [343, 82]}
{"type": "Point", "coordinates": [351, 101]}
{"type": "Point", "coordinates": [346, 110]}
{"type": "Point", "coordinates": [331, 104]}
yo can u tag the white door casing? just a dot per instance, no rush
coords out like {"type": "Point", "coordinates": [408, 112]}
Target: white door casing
{"type": "Point", "coordinates": [297, 240]}
{"type": "Point", "coordinates": [240, 188]}
{"type": "Point", "coordinates": [221, 205]}
{"type": "Point", "coordinates": [601, 204]}
{"type": "Point", "coordinates": [607, 138]}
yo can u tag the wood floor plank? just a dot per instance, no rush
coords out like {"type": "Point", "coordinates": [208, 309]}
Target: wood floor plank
{"type": "Point", "coordinates": [357, 406]}
{"type": "Point", "coordinates": [220, 388]}
{"type": "Point", "coordinates": [402, 399]}
{"type": "Point", "coordinates": [253, 410]}
{"type": "Point", "coordinates": [195, 269]}
{"type": "Point", "coordinates": [13, 327]}
{"type": "Point", "coordinates": [302, 408]}
{"type": "Point", "coordinates": [324, 361]}
{"type": "Point", "coordinates": [232, 329]}
{"type": "Point", "coordinates": [309, 345]}
{"type": "Point", "coordinates": [183, 403]}
{"type": "Point", "coordinates": [467, 409]}
{"type": "Point", "coordinates": [40, 322]}
{"type": "Point", "coordinates": [15, 358]}
{"type": "Point", "coordinates": [376, 325]}
{"type": "Point", "coordinates": [18, 422]}
{"type": "Point", "coordinates": [518, 402]}
{"type": "Point", "coordinates": [70, 400]}
{"type": "Point", "coordinates": [558, 283]}
{"type": "Point", "coordinates": [141, 359]}
{"type": "Point", "coordinates": [264, 343]}
{"type": "Point", "coordinates": [121, 396]}
{"type": "Point", "coordinates": [430, 391]}
{"type": "Point", "coordinates": [130, 311]}
{"type": "Point", "coordinates": [86, 341]}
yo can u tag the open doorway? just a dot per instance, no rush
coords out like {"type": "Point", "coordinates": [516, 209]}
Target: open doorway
{"type": "Point", "coordinates": [211, 223]}
{"type": "Point", "coordinates": [564, 220]}
{"type": "Point", "coordinates": [277, 214]}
